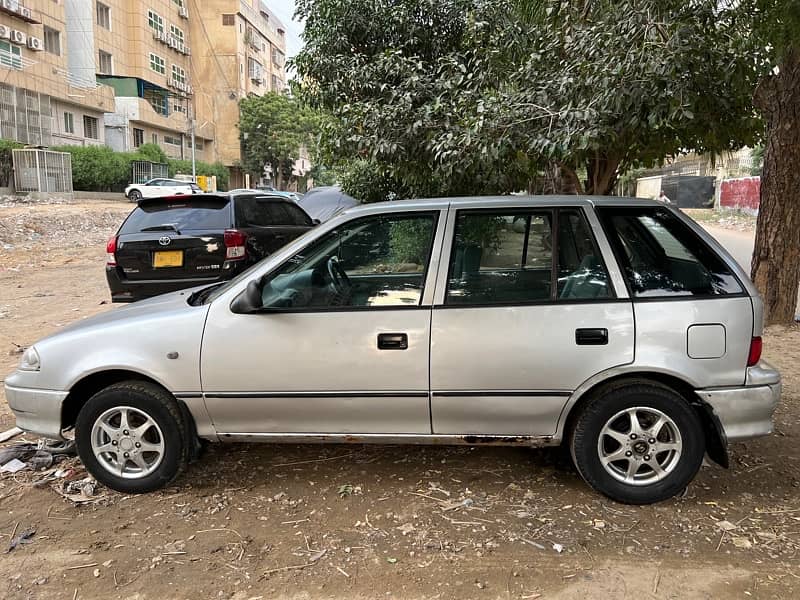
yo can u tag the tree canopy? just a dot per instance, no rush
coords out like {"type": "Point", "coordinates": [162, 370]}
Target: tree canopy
{"type": "Point", "coordinates": [273, 130]}
{"type": "Point", "coordinates": [483, 96]}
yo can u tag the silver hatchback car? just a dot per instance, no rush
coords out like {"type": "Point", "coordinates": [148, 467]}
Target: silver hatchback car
{"type": "Point", "coordinates": [616, 327]}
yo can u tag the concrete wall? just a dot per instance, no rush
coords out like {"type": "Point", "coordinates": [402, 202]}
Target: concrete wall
{"type": "Point", "coordinates": [741, 194]}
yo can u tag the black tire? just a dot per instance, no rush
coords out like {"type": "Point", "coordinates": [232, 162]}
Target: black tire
{"type": "Point", "coordinates": [162, 408]}
{"type": "Point", "coordinates": [135, 196]}
{"type": "Point", "coordinates": [611, 400]}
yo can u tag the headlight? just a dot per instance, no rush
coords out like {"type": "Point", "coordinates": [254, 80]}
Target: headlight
{"type": "Point", "coordinates": [30, 360]}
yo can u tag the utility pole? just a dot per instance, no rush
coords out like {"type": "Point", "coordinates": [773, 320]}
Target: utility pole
{"type": "Point", "coordinates": [194, 151]}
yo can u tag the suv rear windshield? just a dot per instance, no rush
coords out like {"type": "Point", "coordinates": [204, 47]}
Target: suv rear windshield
{"type": "Point", "coordinates": [662, 257]}
{"type": "Point", "coordinates": [254, 211]}
{"type": "Point", "coordinates": [189, 213]}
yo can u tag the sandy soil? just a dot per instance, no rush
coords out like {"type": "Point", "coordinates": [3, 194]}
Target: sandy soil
{"type": "Point", "coordinates": [253, 521]}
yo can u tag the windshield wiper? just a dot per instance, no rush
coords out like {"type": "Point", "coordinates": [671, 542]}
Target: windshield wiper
{"type": "Point", "coordinates": [165, 227]}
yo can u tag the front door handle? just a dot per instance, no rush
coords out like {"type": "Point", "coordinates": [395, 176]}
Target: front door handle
{"type": "Point", "coordinates": [591, 337]}
{"type": "Point", "coordinates": [392, 341]}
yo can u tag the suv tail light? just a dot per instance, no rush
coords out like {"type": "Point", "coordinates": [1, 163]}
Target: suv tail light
{"type": "Point", "coordinates": [235, 248]}
{"type": "Point", "coordinates": [111, 250]}
{"type": "Point", "coordinates": [755, 352]}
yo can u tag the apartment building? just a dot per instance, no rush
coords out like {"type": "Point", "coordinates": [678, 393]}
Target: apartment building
{"type": "Point", "coordinates": [128, 72]}
{"type": "Point", "coordinates": [239, 49]}
{"type": "Point", "coordinates": [41, 102]}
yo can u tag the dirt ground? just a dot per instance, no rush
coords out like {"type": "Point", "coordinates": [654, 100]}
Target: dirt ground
{"type": "Point", "coordinates": [349, 522]}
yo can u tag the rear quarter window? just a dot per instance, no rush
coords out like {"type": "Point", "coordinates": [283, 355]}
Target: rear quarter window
{"type": "Point", "coordinates": [187, 214]}
{"type": "Point", "coordinates": [662, 257]}
{"type": "Point", "coordinates": [259, 212]}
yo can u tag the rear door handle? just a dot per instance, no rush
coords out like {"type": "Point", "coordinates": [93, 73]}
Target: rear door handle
{"type": "Point", "coordinates": [591, 337]}
{"type": "Point", "coordinates": [392, 341]}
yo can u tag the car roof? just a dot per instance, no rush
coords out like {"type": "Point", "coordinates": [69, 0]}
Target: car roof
{"type": "Point", "coordinates": [477, 202]}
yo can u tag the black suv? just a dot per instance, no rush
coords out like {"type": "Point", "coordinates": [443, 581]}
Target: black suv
{"type": "Point", "coordinates": [172, 243]}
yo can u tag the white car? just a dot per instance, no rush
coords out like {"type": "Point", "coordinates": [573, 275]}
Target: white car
{"type": "Point", "coordinates": [157, 188]}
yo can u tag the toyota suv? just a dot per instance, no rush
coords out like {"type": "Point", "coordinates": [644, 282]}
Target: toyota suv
{"type": "Point", "coordinates": [615, 327]}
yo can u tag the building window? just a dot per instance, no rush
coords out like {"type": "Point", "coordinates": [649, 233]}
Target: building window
{"type": "Point", "coordinates": [157, 64]}
{"type": "Point", "coordinates": [177, 33]}
{"type": "Point", "coordinates": [179, 108]}
{"type": "Point", "coordinates": [277, 84]}
{"type": "Point", "coordinates": [138, 137]}
{"type": "Point", "coordinates": [155, 21]}
{"type": "Point", "coordinates": [106, 63]}
{"type": "Point", "coordinates": [229, 20]}
{"type": "Point", "coordinates": [178, 74]}
{"type": "Point", "coordinates": [103, 16]}
{"type": "Point", "coordinates": [198, 143]}
{"type": "Point", "coordinates": [154, 138]}
{"type": "Point", "coordinates": [69, 123]}
{"type": "Point", "coordinates": [10, 56]}
{"type": "Point", "coordinates": [52, 41]}
{"type": "Point", "coordinates": [278, 58]}
{"type": "Point", "coordinates": [158, 100]}
{"type": "Point", "coordinates": [254, 69]}
{"type": "Point", "coordinates": [90, 129]}
{"type": "Point", "coordinates": [172, 141]}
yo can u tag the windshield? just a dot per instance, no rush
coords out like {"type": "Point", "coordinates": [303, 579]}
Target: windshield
{"type": "Point", "coordinates": [244, 275]}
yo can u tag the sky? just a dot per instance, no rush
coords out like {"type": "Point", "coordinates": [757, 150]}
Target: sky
{"type": "Point", "coordinates": [284, 9]}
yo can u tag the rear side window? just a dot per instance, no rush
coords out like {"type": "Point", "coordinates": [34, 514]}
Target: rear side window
{"type": "Point", "coordinates": [662, 257]}
{"type": "Point", "coordinates": [507, 258]}
{"type": "Point", "coordinates": [207, 213]}
{"type": "Point", "coordinates": [255, 212]}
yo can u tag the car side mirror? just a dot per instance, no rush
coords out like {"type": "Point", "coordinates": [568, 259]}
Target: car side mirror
{"type": "Point", "coordinates": [316, 222]}
{"type": "Point", "coordinates": [249, 301]}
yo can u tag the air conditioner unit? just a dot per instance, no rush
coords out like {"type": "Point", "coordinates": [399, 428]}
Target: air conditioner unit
{"type": "Point", "coordinates": [19, 37]}
{"type": "Point", "coordinates": [257, 80]}
{"type": "Point", "coordinates": [180, 47]}
{"type": "Point", "coordinates": [12, 5]}
{"type": "Point", "coordinates": [184, 12]}
{"type": "Point", "coordinates": [35, 43]}
{"type": "Point", "coordinates": [173, 42]}
{"type": "Point", "coordinates": [187, 51]}
{"type": "Point", "coordinates": [26, 12]}
{"type": "Point", "coordinates": [5, 32]}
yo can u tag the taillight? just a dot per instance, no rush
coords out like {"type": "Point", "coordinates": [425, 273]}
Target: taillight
{"type": "Point", "coordinates": [111, 250]}
{"type": "Point", "coordinates": [235, 248]}
{"type": "Point", "coordinates": [756, 346]}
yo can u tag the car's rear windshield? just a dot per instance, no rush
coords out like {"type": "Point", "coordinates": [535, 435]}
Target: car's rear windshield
{"type": "Point", "coordinates": [191, 213]}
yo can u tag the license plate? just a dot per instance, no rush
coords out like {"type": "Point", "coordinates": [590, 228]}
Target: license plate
{"type": "Point", "coordinates": [173, 258]}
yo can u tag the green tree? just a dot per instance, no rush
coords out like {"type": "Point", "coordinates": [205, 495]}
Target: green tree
{"type": "Point", "coordinates": [481, 96]}
{"type": "Point", "coordinates": [273, 129]}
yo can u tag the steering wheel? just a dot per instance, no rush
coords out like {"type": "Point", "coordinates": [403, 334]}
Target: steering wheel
{"type": "Point", "coordinates": [339, 278]}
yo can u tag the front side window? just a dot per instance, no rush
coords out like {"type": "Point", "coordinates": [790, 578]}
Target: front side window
{"type": "Point", "coordinates": [376, 261]}
{"type": "Point", "coordinates": [662, 257]}
{"type": "Point", "coordinates": [508, 257]}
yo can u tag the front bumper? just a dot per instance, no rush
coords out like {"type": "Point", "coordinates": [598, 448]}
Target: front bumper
{"type": "Point", "coordinates": [746, 412]}
{"type": "Point", "coordinates": [37, 411]}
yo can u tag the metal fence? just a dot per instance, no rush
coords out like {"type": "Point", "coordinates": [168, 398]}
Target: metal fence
{"type": "Point", "coordinates": [42, 171]}
{"type": "Point", "coordinates": [143, 171]}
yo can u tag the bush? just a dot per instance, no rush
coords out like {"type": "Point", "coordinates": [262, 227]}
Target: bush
{"type": "Point", "coordinates": [100, 169]}
{"type": "Point", "coordinates": [7, 161]}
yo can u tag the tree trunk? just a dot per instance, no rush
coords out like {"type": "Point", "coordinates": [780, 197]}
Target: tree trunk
{"type": "Point", "coordinates": [776, 259]}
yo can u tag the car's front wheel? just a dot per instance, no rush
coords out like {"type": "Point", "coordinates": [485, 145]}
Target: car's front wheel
{"type": "Point", "coordinates": [637, 442]}
{"type": "Point", "coordinates": [135, 196]}
{"type": "Point", "coordinates": [131, 437]}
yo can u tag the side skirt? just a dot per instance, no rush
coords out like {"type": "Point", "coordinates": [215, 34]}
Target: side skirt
{"type": "Point", "coordinates": [392, 438]}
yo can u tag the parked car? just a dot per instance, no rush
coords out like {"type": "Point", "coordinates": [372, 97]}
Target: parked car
{"type": "Point", "coordinates": [618, 328]}
{"type": "Point", "coordinates": [172, 243]}
{"type": "Point", "coordinates": [156, 188]}
{"type": "Point", "coordinates": [325, 202]}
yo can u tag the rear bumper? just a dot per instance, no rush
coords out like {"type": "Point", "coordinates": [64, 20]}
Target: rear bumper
{"type": "Point", "coordinates": [746, 412]}
{"type": "Point", "coordinates": [126, 290]}
{"type": "Point", "coordinates": [36, 411]}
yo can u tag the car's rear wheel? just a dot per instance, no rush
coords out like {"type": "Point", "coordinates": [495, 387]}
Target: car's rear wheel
{"type": "Point", "coordinates": [637, 442]}
{"type": "Point", "coordinates": [131, 437]}
{"type": "Point", "coordinates": [135, 196]}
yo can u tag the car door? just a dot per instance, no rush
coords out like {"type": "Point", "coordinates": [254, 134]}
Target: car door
{"type": "Point", "coordinates": [341, 344]}
{"type": "Point", "coordinates": [152, 189]}
{"type": "Point", "coordinates": [524, 314]}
